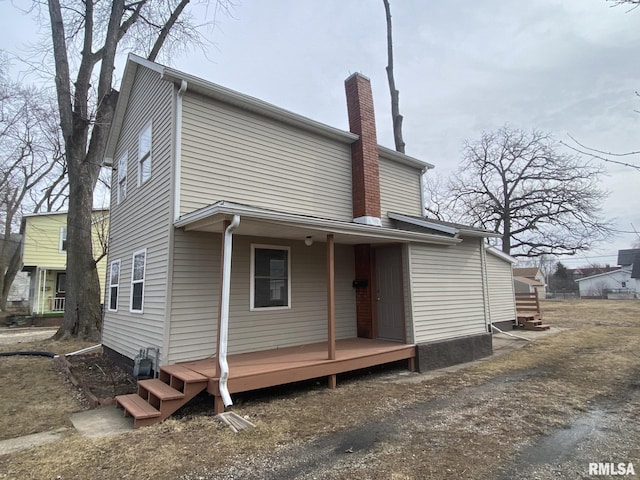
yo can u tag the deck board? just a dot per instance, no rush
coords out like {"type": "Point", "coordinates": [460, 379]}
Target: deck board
{"type": "Point", "coordinates": [250, 371]}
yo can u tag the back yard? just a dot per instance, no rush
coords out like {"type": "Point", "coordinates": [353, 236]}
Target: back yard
{"type": "Point", "coordinates": [543, 411]}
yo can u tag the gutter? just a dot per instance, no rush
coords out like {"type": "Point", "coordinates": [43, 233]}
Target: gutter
{"type": "Point", "coordinates": [224, 311]}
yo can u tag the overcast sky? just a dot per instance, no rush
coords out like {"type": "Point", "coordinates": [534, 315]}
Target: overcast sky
{"type": "Point", "coordinates": [562, 66]}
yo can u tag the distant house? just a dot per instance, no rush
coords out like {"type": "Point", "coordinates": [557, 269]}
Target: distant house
{"type": "Point", "coordinates": [528, 280]}
{"type": "Point", "coordinates": [44, 258]}
{"type": "Point", "coordinates": [298, 248]}
{"type": "Point", "coordinates": [617, 282]}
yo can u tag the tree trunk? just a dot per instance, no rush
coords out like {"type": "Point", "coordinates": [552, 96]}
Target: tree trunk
{"type": "Point", "coordinates": [15, 265]}
{"type": "Point", "coordinates": [395, 95]}
{"type": "Point", "coordinates": [82, 313]}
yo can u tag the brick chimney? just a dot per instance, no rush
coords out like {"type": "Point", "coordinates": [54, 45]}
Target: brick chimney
{"type": "Point", "coordinates": [365, 176]}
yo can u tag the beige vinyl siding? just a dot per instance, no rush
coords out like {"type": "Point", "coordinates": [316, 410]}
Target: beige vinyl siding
{"type": "Point", "coordinates": [196, 292]}
{"type": "Point", "coordinates": [142, 220]}
{"type": "Point", "coordinates": [408, 300]}
{"type": "Point", "coordinates": [501, 294]}
{"type": "Point", "coordinates": [399, 189]}
{"type": "Point", "coordinates": [235, 155]}
{"type": "Point", "coordinates": [448, 298]}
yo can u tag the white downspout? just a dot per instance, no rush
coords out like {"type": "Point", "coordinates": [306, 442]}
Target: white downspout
{"type": "Point", "coordinates": [224, 311]}
{"type": "Point", "coordinates": [178, 152]}
{"type": "Point", "coordinates": [423, 206]}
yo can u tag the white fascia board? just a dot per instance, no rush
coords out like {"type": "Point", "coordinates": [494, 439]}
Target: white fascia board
{"type": "Point", "coordinates": [500, 254]}
{"type": "Point", "coordinates": [402, 158]}
{"type": "Point", "coordinates": [334, 226]}
{"type": "Point", "coordinates": [423, 223]}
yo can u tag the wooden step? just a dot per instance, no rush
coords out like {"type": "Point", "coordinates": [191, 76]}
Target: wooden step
{"type": "Point", "coordinates": [182, 373]}
{"type": "Point", "coordinates": [159, 389]}
{"type": "Point", "coordinates": [136, 406]}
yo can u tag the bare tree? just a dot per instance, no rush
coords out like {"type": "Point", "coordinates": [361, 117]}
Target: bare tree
{"type": "Point", "coordinates": [395, 94]}
{"type": "Point", "coordinates": [541, 201]}
{"type": "Point", "coordinates": [86, 36]}
{"type": "Point", "coordinates": [32, 168]}
{"type": "Point", "coordinates": [436, 195]}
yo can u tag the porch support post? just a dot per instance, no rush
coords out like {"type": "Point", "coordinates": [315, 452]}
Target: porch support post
{"type": "Point", "coordinates": [225, 224]}
{"type": "Point", "coordinates": [331, 298]}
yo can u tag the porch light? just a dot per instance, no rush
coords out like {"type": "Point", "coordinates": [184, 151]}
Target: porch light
{"type": "Point", "coordinates": [308, 241]}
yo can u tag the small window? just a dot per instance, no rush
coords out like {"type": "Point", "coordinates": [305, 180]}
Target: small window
{"type": "Point", "coordinates": [63, 240]}
{"type": "Point", "coordinates": [144, 155]}
{"type": "Point", "coordinates": [114, 285]}
{"type": "Point", "coordinates": [137, 280]}
{"type": "Point", "coordinates": [61, 283]}
{"type": "Point", "coordinates": [624, 284]}
{"type": "Point", "coordinates": [270, 277]}
{"type": "Point", "coordinates": [122, 177]}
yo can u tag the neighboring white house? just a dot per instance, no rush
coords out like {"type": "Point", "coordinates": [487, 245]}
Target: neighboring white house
{"type": "Point", "coordinates": [612, 285]}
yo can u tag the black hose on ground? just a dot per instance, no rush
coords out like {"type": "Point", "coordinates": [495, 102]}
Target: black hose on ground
{"type": "Point", "coordinates": [30, 354]}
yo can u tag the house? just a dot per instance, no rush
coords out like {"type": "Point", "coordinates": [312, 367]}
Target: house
{"type": "Point", "coordinates": [619, 283]}
{"type": "Point", "coordinates": [44, 258]}
{"type": "Point", "coordinates": [528, 280]}
{"type": "Point", "coordinates": [252, 246]}
{"type": "Point", "coordinates": [501, 288]}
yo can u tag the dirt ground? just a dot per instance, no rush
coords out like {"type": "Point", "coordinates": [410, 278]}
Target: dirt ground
{"type": "Point", "coordinates": [543, 411]}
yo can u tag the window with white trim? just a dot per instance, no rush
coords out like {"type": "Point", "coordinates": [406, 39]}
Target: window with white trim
{"type": "Point", "coordinates": [122, 177]}
{"type": "Point", "coordinates": [270, 277]}
{"type": "Point", "coordinates": [144, 155]}
{"type": "Point", "coordinates": [114, 285]}
{"type": "Point", "coordinates": [62, 246]}
{"type": "Point", "coordinates": [137, 280]}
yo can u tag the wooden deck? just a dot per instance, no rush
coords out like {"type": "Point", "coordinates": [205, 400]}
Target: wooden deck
{"type": "Point", "coordinates": [251, 371]}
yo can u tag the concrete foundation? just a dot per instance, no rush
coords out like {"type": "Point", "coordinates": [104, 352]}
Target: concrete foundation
{"type": "Point", "coordinates": [444, 353]}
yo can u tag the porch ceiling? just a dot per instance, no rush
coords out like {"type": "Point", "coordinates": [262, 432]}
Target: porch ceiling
{"type": "Point", "coordinates": [268, 223]}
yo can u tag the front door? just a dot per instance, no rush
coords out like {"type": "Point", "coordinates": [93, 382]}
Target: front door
{"type": "Point", "coordinates": [389, 294]}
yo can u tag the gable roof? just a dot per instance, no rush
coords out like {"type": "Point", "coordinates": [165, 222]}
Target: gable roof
{"type": "Point", "coordinates": [528, 281]}
{"type": "Point", "coordinates": [240, 100]}
{"type": "Point", "coordinates": [610, 272]}
{"type": "Point", "coordinates": [528, 272]}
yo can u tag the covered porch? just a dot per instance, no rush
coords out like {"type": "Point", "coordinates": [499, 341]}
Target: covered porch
{"type": "Point", "coordinates": [375, 328]}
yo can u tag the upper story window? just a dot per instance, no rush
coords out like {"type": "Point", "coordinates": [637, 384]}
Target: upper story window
{"type": "Point", "coordinates": [62, 246]}
{"type": "Point", "coordinates": [114, 285]}
{"type": "Point", "coordinates": [144, 155]}
{"type": "Point", "coordinates": [122, 177]}
{"type": "Point", "coordinates": [137, 280]}
{"type": "Point", "coordinates": [270, 277]}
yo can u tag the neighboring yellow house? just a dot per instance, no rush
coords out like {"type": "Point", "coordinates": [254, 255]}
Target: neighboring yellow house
{"type": "Point", "coordinates": [44, 257]}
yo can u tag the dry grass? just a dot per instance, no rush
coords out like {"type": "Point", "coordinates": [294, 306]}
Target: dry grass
{"type": "Point", "coordinates": [33, 397]}
{"type": "Point", "coordinates": [465, 423]}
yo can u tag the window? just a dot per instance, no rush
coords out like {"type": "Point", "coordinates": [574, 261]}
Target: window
{"type": "Point", "coordinates": [114, 285]}
{"type": "Point", "coordinates": [144, 155]}
{"type": "Point", "coordinates": [137, 280]}
{"type": "Point", "coordinates": [63, 240]}
{"type": "Point", "coordinates": [61, 283]}
{"type": "Point", "coordinates": [122, 177]}
{"type": "Point", "coordinates": [624, 284]}
{"type": "Point", "coordinates": [270, 277]}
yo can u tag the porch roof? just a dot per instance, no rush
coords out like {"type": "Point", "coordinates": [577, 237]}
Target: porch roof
{"type": "Point", "coordinates": [262, 222]}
